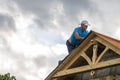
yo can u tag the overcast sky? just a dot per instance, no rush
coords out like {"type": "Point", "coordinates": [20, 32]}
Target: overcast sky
{"type": "Point", "coordinates": [33, 32]}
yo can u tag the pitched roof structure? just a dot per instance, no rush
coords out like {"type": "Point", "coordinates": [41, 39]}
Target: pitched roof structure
{"type": "Point", "coordinates": [95, 52]}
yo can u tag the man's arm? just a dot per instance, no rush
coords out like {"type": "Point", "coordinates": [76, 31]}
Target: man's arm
{"type": "Point", "coordinates": [77, 36]}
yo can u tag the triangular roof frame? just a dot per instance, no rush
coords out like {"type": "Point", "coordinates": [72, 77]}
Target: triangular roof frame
{"type": "Point", "coordinates": [92, 39]}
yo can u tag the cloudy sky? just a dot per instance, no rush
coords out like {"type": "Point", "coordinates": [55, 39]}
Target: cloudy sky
{"type": "Point", "coordinates": [33, 32]}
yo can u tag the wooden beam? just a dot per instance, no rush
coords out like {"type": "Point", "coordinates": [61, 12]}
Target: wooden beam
{"type": "Point", "coordinates": [94, 57]}
{"type": "Point", "coordinates": [102, 54]}
{"type": "Point", "coordinates": [86, 58]}
{"type": "Point", "coordinates": [88, 67]}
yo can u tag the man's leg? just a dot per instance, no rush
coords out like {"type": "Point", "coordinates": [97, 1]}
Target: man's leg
{"type": "Point", "coordinates": [69, 46]}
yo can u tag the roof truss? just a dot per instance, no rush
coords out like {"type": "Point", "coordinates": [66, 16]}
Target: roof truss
{"type": "Point", "coordinates": [94, 61]}
{"type": "Point", "coordinates": [91, 52]}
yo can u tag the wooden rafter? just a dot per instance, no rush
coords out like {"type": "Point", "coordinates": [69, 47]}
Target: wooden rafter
{"type": "Point", "coordinates": [86, 58]}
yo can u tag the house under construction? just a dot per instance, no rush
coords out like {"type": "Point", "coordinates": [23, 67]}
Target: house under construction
{"type": "Point", "coordinates": [96, 58]}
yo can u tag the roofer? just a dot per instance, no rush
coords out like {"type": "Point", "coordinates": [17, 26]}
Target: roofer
{"type": "Point", "coordinates": [77, 36]}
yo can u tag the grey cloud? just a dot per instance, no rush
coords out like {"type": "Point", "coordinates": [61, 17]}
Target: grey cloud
{"type": "Point", "coordinates": [40, 8]}
{"type": "Point", "coordinates": [40, 61]}
{"type": "Point", "coordinates": [3, 42]}
{"type": "Point", "coordinates": [103, 13]}
{"type": "Point", "coordinates": [53, 61]}
{"type": "Point", "coordinates": [43, 61]}
{"type": "Point", "coordinates": [12, 54]}
{"type": "Point", "coordinates": [35, 6]}
{"type": "Point", "coordinates": [95, 10]}
{"type": "Point", "coordinates": [40, 35]}
{"type": "Point", "coordinates": [107, 15]}
{"type": "Point", "coordinates": [19, 61]}
{"type": "Point", "coordinates": [73, 8]}
{"type": "Point", "coordinates": [7, 22]}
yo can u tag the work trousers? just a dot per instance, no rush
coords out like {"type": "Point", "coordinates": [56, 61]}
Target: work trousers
{"type": "Point", "coordinates": [70, 46]}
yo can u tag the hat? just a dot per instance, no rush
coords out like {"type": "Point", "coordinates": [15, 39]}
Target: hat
{"type": "Point", "coordinates": [85, 22]}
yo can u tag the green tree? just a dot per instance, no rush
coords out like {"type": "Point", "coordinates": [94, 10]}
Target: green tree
{"type": "Point", "coordinates": [7, 77]}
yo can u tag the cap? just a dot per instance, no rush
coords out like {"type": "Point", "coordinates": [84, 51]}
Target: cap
{"type": "Point", "coordinates": [85, 22]}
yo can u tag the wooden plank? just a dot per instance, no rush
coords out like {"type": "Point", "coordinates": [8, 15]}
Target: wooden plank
{"type": "Point", "coordinates": [94, 57]}
{"type": "Point", "coordinates": [86, 58]}
{"type": "Point", "coordinates": [102, 54]}
{"type": "Point", "coordinates": [88, 67]}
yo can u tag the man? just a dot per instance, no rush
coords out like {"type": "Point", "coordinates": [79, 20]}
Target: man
{"type": "Point", "coordinates": [77, 36]}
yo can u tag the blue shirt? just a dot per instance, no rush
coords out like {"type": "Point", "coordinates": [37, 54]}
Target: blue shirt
{"type": "Point", "coordinates": [81, 34]}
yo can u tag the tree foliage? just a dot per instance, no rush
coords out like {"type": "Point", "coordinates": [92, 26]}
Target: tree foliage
{"type": "Point", "coordinates": [7, 77]}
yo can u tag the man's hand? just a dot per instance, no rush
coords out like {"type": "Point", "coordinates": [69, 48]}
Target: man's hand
{"type": "Point", "coordinates": [77, 36]}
